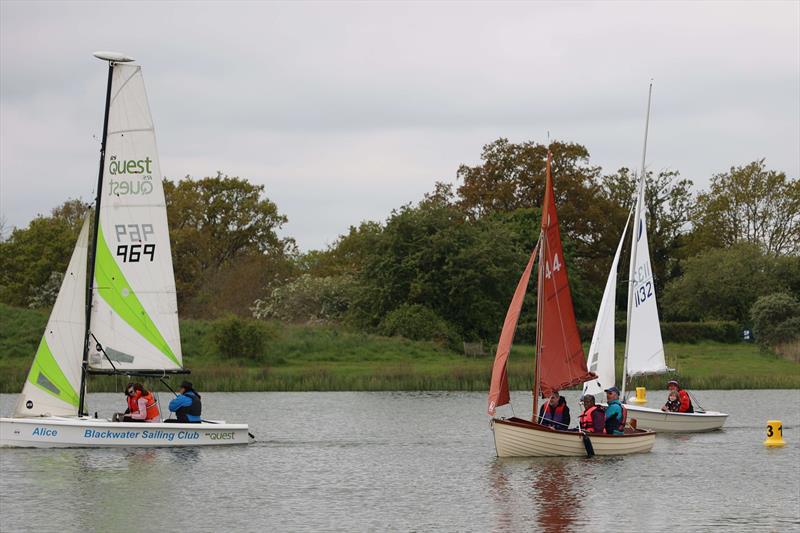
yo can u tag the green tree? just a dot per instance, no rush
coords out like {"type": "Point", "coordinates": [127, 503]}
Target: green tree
{"type": "Point", "coordinates": [216, 222]}
{"type": "Point", "coordinates": [31, 256]}
{"type": "Point", "coordinates": [749, 204]}
{"type": "Point", "coordinates": [776, 318]}
{"type": "Point", "coordinates": [723, 284]}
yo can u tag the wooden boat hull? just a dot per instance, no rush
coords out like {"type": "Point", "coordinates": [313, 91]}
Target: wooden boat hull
{"type": "Point", "coordinates": [667, 422]}
{"type": "Point", "coordinates": [64, 432]}
{"type": "Point", "coordinates": [515, 437]}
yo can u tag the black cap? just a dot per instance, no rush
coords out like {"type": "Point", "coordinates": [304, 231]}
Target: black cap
{"type": "Point", "coordinates": [186, 385]}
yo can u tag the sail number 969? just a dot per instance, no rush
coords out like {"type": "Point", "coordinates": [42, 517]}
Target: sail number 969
{"type": "Point", "coordinates": [137, 235]}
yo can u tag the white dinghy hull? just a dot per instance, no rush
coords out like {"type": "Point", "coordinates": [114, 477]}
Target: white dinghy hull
{"type": "Point", "coordinates": [515, 437]}
{"type": "Point", "coordinates": [669, 422]}
{"type": "Point", "coordinates": [64, 432]}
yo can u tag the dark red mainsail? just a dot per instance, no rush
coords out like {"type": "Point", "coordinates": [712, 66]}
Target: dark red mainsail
{"type": "Point", "coordinates": [561, 361]}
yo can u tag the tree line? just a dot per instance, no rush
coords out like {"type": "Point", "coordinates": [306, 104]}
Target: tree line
{"type": "Point", "coordinates": [445, 267]}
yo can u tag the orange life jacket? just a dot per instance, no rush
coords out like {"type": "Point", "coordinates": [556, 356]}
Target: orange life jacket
{"type": "Point", "coordinates": [585, 420]}
{"type": "Point", "coordinates": [152, 405]}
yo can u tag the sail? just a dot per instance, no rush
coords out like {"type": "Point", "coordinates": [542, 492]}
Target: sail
{"type": "Point", "coordinates": [601, 351]}
{"type": "Point", "coordinates": [498, 390]}
{"type": "Point", "coordinates": [134, 308]}
{"type": "Point", "coordinates": [645, 350]}
{"type": "Point", "coordinates": [561, 360]}
{"type": "Point", "coordinates": [53, 383]}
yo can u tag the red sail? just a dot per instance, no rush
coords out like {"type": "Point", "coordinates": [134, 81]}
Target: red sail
{"type": "Point", "coordinates": [561, 362]}
{"type": "Point", "coordinates": [498, 391]}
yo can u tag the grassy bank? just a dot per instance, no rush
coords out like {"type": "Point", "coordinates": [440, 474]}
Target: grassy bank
{"type": "Point", "coordinates": [304, 358]}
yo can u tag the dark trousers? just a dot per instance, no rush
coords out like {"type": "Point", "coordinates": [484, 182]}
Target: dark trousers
{"type": "Point", "coordinates": [173, 421]}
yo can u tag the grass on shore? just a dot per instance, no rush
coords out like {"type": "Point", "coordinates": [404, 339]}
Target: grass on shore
{"type": "Point", "coordinates": [326, 358]}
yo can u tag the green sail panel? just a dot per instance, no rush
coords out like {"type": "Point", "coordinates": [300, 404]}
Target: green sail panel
{"type": "Point", "coordinates": [55, 375]}
{"type": "Point", "coordinates": [111, 285]}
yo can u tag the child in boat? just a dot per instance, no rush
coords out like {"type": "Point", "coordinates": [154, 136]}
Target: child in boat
{"type": "Point", "coordinates": [673, 402]}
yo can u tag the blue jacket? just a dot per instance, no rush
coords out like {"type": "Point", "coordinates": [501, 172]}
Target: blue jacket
{"type": "Point", "coordinates": [185, 400]}
{"type": "Point", "coordinates": [613, 411]}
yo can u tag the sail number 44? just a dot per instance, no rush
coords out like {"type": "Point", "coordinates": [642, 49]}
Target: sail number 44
{"type": "Point", "coordinates": [137, 248]}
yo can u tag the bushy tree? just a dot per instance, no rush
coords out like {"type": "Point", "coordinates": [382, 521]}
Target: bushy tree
{"type": "Point", "coordinates": [749, 204]}
{"type": "Point", "coordinates": [417, 322]}
{"type": "Point", "coordinates": [30, 256]}
{"type": "Point", "coordinates": [308, 299]}
{"type": "Point", "coordinates": [776, 318]}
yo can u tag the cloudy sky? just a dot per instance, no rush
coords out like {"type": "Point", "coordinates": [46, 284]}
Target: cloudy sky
{"type": "Point", "coordinates": [347, 110]}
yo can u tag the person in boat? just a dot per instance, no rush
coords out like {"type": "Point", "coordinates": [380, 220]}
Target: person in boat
{"type": "Point", "coordinates": [616, 414]}
{"type": "Point", "coordinates": [673, 402]}
{"type": "Point", "coordinates": [555, 412]}
{"type": "Point", "coordinates": [187, 405]}
{"type": "Point", "coordinates": [142, 405]}
{"type": "Point", "coordinates": [592, 419]}
{"type": "Point", "coordinates": [683, 396]}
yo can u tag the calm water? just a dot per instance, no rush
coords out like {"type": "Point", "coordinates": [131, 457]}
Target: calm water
{"type": "Point", "coordinates": [409, 461]}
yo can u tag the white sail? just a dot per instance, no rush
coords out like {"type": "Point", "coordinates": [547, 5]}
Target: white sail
{"type": "Point", "coordinates": [53, 383]}
{"type": "Point", "coordinates": [134, 308]}
{"type": "Point", "coordinates": [645, 349]}
{"type": "Point", "coordinates": [601, 351]}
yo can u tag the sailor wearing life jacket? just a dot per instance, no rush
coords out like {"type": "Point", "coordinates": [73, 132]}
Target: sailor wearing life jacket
{"type": "Point", "coordinates": [616, 413]}
{"type": "Point", "coordinates": [592, 419]}
{"type": "Point", "coordinates": [555, 412]}
{"type": "Point", "coordinates": [685, 405]}
{"type": "Point", "coordinates": [186, 405]}
{"type": "Point", "coordinates": [142, 405]}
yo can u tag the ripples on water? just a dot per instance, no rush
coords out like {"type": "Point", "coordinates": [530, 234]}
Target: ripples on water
{"type": "Point", "coordinates": [409, 461]}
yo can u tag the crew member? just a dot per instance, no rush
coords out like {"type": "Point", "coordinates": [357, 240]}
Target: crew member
{"type": "Point", "coordinates": [186, 405]}
{"type": "Point", "coordinates": [142, 405]}
{"type": "Point", "coordinates": [673, 404]}
{"type": "Point", "coordinates": [616, 413]}
{"type": "Point", "coordinates": [592, 419]}
{"type": "Point", "coordinates": [683, 396]}
{"type": "Point", "coordinates": [555, 413]}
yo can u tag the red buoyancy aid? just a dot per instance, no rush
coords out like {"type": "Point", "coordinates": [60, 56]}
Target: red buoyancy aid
{"type": "Point", "coordinates": [152, 405]}
{"type": "Point", "coordinates": [624, 418]}
{"type": "Point", "coordinates": [585, 420]}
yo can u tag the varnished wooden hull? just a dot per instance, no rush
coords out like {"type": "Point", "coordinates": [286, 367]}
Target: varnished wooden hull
{"type": "Point", "coordinates": [515, 437]}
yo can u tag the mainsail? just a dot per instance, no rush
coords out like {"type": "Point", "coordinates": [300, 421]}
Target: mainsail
{"type": "Point", "coordinates": [644, 349]}
{"type": "Point", "coordinates": [55, 376]}
{"type": "Point", "coordinates": [601, 351]}
{"type": "Point", "coordinates": [134, 307]}
{"type": "Point", "coordinates": [560, 359]}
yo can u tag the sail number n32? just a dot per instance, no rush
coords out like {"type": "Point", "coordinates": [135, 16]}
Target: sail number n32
{"type": "Point", "coordinates": [137, 248]}
{"type": "Point", "coordinates": [644, 284]}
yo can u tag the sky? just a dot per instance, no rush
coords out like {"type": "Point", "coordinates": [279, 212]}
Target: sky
{"type": "Point", "coordinates": [346, 110]}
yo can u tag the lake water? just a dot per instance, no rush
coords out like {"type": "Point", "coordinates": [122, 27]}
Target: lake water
{"type": "Point", "coordinates": [404, 461]}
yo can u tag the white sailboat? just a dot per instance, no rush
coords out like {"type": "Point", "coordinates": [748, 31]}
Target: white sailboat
{"type": "Point", "coordinates": [122, 316]}
{"type": "Point", "coordinates": [644, 348]}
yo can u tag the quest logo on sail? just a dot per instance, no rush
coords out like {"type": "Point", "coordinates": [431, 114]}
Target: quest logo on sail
{"type": "Point", "coordinates": [131, 167]}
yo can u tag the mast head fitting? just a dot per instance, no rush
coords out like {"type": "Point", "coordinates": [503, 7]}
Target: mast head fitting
{"type": "Point", "coordinates": [113, 57]}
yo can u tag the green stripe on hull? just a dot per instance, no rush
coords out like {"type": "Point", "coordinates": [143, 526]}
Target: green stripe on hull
{"type": "Point", "coordinates": [112, 286]}
{"type": "Point", "coordinates": [48, 376]}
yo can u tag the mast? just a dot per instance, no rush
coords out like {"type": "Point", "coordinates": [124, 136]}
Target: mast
{"type": "Point", "coordinates": [112, 58]}
{"type": "Point", "coordinates": [539, 297]}
{"type": "Point", "coordinates": [634, 234]}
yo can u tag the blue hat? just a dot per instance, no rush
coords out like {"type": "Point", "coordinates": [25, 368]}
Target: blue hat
{"type": "Point", "coordinates": [612, 389]}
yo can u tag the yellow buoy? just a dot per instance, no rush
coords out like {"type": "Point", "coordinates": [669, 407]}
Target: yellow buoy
{"type": "Point", "coordinates": [641, 396]}
{"type": "Point", "coordinates": [774, 434]}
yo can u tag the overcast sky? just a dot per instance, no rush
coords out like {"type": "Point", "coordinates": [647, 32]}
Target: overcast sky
{"type": "Point", "coordinates": [347, 110]}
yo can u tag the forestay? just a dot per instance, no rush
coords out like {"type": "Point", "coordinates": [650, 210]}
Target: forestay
{"type": "Point", "coordinates": [134, 309]}
{"type": "Point", "coordinates": [601, 351]}
{"type": "Point", "coordinates": [645, 350]}
{"type": "Point", "coordinates": [55, 375]}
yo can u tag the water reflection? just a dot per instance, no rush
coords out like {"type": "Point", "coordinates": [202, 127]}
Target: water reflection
{"type": "Point", "coordinates": [555, 495]}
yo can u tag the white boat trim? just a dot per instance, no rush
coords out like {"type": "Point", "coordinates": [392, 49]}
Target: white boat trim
{"type": "Point", "coordinates": [672, 422]}
{"type": "Point", "coordinates": [84, 432]}
{"type": "Point", "coordinates": [515, 437]}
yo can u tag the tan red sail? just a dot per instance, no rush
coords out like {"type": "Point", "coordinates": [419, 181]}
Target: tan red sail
{"type": "Point", "coordinates": [498, 390]}
{"type": "Point", "coordinates": [561, 361]}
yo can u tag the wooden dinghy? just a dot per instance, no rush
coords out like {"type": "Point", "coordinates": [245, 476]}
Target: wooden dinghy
{"type": "Point", "coordinates": [560, 360]}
